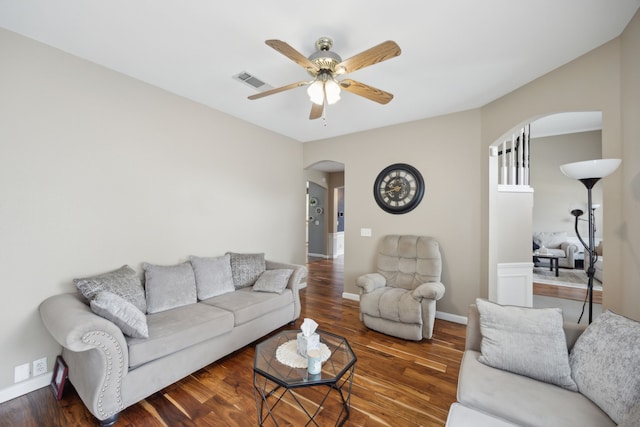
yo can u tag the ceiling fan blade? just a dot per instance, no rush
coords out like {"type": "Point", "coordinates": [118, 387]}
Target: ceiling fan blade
{"type": "Point", "coordinates": [366, 91]}
{"type": "Point", "coordinates": [316, 111]}
{"type": "Point", "coordinates": [379, 53]}
{"type": "Point", "coordinates": [292, 54]}
{"type": "Point", "coordinates": [278, 90]}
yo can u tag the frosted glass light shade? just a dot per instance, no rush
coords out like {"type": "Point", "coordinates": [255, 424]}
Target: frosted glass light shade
{"type": "Point", "coordinates": [590, 168]}
{"type": "Point", "coordinates": [320, 89]}
{"type": "Point", "coordinates": [332, 91]}
{"type": "Point", "coordinates": [316, 92]}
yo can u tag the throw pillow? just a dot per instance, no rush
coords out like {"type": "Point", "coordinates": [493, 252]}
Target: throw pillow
{"type": "Point", "coordinates": [123, 282]}
{"type": "Point", "coordinates": [246, 268]}
{"type": "Point", "coordinates": [169, 286]}
{"type": "Point", "coordinates": [118, 310]}
{"type": "Point", "coordinates": [605, 361]}
{"type": "Point", "coordinates": [213, 276]}
{"type": "Point", "coordinates": [273, 281]}
{"type": "Point", "coordinates": [526, 341]}
{"type": "Point", "coordinates": [632, 419]}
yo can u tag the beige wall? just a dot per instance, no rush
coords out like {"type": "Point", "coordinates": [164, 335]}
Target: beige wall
{"type": "Point", "coordinates": [629, 227]}
{"type": "Point", "coordinates": [98, 170]}
{"type": "Point", "coordinates": [446, 150]}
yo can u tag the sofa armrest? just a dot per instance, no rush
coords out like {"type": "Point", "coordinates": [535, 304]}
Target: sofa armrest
{"type": "Point", "coordinates": [370, 282]}
{"type": "Point", "coordinates": [95, 351]}
{"type": "Point", "coordinates": [572, 332]}
{"type": "Point", "coordinates": [473, 337]}
{"type": "Point", "coordinates": [430, 290]}
{"type": "Point", "coordinates": [295, 283]}
{"type": "Point", "coordinates": [298, 277]}
{"type": "Point", "coordinates": [570, 249]}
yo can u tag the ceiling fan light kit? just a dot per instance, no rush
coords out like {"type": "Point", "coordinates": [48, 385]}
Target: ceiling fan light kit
{"type": "Point", "coordinates": [324, 87]}
{"type": "Point", "coordinates": [325, 66]}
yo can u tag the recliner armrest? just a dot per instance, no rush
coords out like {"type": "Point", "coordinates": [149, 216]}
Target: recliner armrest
{"type": "Point", "coordinates": [430, 290]}
{"type": "Point", "coordinates": [370, 282]}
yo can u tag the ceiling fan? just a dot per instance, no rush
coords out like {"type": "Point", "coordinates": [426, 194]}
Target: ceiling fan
{"type": "Point", "coordinates": [325, 66]}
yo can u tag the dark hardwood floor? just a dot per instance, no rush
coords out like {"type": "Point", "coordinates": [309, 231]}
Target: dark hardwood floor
{"type": "Point", "coordinates": [565, 292]}
{"type": "Point", "coordinates": [397, 382]}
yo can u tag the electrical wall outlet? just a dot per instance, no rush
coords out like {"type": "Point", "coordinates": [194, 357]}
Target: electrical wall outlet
{"type": "Point", "coordinates": [39, 367]}
{"type": "Point", "coordinates": [21, 373]}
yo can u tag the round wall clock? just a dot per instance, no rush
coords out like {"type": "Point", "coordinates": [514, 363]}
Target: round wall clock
{"type": "Point", "coordinates": [398, 188]}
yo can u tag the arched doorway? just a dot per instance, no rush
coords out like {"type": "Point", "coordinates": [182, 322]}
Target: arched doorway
{"type": "Point", "coordinates": [543, 204]}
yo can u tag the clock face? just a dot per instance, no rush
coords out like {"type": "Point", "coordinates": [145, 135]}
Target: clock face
{"type": "Point", "coordinates": [398, 188]}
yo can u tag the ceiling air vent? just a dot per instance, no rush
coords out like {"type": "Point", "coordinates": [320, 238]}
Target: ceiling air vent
{"type": "Point", "coordinates": [252, 81]}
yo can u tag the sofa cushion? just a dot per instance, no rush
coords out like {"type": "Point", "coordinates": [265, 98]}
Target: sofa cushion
{"type": "Point", "coordinates": [246, 268]}
{"type": "Point", "coordinates": [213, 276]}
{"type": "Point", "coordinates": [273, 281]}
{"type": "Point", "coordinates": [605, 361]}
{"type": "Point", "coordinates": [526, 341]}
{"type": "Point", "coordinates": [123, 282]}
{"type": "Point", "coordinates": [247, 305]}
{"type": "Point", "coordinates": [126, 316]}
{"type": "Point", "coordinates": [176, 329]}
{"type": "Point", "coordinates": [523, 400]}
{"type": "Point", "coordinates": [169, 286]}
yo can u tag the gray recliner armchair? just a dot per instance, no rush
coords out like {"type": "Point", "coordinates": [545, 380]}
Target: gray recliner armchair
{"type": "Point", "coordinates": [400, 299]}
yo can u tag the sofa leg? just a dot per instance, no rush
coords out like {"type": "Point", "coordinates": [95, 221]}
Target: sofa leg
{"type": "Point", "coordinates": [109, 421]}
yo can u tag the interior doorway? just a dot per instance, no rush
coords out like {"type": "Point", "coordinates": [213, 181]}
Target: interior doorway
{"type": "Point", "coordinates": [326, 210]}
{"type": "Point", "coordinates": [552, 196]}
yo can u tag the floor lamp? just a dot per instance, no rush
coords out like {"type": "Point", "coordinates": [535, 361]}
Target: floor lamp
{"type": "Point", "coordinates": [589, 172]}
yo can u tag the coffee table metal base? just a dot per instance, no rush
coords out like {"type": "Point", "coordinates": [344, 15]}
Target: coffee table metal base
{"type": "Point", "coordinates": [313, 400]}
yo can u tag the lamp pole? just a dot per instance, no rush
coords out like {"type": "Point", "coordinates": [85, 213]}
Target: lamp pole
{"type": "Point", "coordinates": [589, 172]}
{"type": "Point", "coordinates": [589, 183]}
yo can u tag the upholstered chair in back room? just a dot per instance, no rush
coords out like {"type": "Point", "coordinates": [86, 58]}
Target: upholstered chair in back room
{"type": "Point", "coordinates": [400, 298]}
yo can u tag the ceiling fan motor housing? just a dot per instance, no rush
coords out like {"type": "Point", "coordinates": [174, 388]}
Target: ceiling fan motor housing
{"type": "Point", "coordinates": [325, 59]}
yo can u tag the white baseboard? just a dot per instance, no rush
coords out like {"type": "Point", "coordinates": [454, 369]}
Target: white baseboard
{"type": "Point", "coordinates": [352, 297]}
{"type": "Point", "coordinates": [25, 387]}
{"type": "Point", "coordinates": [451, 317]}
{"type": "Point", "coordinates": [439, 314]}
{"type": "Point", "coordinates": [314, 255]}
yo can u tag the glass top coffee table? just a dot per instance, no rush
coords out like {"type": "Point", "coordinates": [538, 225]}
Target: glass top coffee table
{"type": "Point", "coordinates": [282, 382]}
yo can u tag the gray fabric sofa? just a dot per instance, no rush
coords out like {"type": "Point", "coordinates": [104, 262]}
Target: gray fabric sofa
{"type": "Point", "coordinates": [556, 243]}
{"type": "Point", "coordinates": [488, 396]}
{"type": "Point", "coordinates": [111, 371]}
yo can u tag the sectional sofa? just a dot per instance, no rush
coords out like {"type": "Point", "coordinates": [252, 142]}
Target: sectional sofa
{"type": "Point", "coordinates": [123, 341]}
{"type": "Point", "coordinates": [525, 367]}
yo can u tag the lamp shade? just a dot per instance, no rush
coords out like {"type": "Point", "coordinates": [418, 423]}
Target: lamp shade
{"type": "Point", "coordinates": [316, 92]}
{"type": "Point", "coordinates": [332, 91]}
{"type": "Point", "coordinates": [590, 168]}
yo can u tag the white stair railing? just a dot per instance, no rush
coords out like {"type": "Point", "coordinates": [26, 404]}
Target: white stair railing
{"type": "Point", "coordinates": [513, 159]}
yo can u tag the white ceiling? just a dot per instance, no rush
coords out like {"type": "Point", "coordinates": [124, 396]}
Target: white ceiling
{"type": "Point", "coordinates": [456, 54]}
